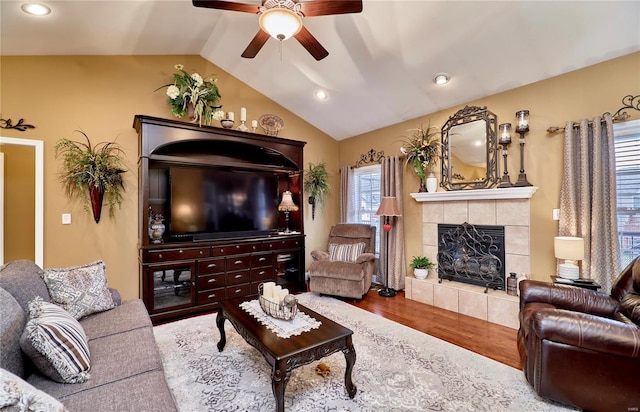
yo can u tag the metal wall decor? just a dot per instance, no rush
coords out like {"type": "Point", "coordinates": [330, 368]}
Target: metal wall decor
{"type": "Point", "coordinates": [470, 150]}
{"type": "Point", "coordinates": [20, 126]}
{"type": "Point", "coordinates": [370, 157]}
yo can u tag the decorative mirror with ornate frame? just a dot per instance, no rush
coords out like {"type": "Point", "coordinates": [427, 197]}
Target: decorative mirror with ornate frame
{"type": "Point", "coordinates": [470, 150]}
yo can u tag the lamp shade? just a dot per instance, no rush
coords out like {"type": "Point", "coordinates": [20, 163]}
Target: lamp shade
{"type": "Point", "coordinates": [287, 205]}
{"type": "Point", "coordinates": [388, 207]}
{"type": "Point", "coordinates": [280, 23]}
{"type": "Point", "coordinates": [570, 248]}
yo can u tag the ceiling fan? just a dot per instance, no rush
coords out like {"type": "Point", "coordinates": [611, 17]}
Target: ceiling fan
{"type": "Point", "coordinates": [282, 19]}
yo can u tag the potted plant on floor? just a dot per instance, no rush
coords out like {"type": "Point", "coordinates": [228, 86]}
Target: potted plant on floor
{"type": "Point", "coordinates": [420, 266]}
{"type": "Point", "coordinates": [316, 184]}
{"type": "Point", "coordinates": [92, 172]}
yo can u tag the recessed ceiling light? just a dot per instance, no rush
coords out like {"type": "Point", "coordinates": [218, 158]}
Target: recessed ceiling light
{"type": "Point", "coordinates": [321, 95]}
{"type": "Point", "coordinates": [36, 9]}
{"type": "Point", "coordinates": [441, 78]}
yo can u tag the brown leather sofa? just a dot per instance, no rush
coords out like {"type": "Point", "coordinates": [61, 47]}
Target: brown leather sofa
{"type": "Point", "coordinates": [340, 278]}
{"type": "Point", "coordinates": [582, 347]}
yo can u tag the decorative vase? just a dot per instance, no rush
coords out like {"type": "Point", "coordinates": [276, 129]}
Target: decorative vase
{"type": "Point", "coordinates": [422, 188]}
{"type": "Point", "coordinates": [157, 230]}
{"type": "Point", "coordinates": [227, 123]}
{"type": "Point", "coordinates": [420, 273]}
{"type": "Point", "coordinates": [432, 182]}
{"type": "Point", "coordinates": [191, 111]}
{"type": "Point", "coordinates": [96, 194]}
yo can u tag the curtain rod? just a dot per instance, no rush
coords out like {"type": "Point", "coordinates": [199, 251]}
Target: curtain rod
{"type": "Point", "coordinates": [629, 102]}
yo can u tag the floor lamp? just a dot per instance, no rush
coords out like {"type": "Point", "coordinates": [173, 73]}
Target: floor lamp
{"type": "Point", "coordinates": [388, 207]}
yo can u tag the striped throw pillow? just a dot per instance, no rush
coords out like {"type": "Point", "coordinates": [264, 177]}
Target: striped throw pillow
{"type": "Point", "coordinates": [345, 253]}
{"type": "Point", "coordinates": [56, 343]}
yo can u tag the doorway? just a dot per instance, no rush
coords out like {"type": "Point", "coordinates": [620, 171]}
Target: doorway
{"type": "Point", "coordinates": [6, 144]}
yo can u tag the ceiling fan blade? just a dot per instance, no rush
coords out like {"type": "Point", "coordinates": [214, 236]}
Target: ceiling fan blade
{"type": "Point", "coordinates": [310, 43]}
{"type": "Point", "coordinates": [256, 44]}
{"type": "Point", "coordinates": [227, 5]}
{"type": "Point", "coordinates": [327, 7]}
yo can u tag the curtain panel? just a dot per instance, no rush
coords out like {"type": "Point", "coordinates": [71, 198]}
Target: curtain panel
{"type": "Point", "coordinates": [588, 196]}
{"type": "Point", "coordinates": [346, 177]}
{"type": "Point", "coordinates": [391, 185]}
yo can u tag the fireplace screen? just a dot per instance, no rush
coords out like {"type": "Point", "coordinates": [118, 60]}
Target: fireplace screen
{"type": "Point", "coordinates": [472, 254]}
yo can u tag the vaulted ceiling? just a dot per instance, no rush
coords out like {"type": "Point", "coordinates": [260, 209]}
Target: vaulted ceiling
{"type": "Point", "coordinates": [381, 62]}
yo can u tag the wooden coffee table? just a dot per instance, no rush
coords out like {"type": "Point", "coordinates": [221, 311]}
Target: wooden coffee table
{"type": "Point", "coordinates": [284, 355]}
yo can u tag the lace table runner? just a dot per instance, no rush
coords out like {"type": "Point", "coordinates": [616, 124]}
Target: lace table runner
{"type": "Point", "coordinates": [283, 328]}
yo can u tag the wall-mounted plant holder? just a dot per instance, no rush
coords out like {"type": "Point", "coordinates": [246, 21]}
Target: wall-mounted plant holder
{"type": "Point", "coordinates": [94, 169]}
{"type": "Point", "coordinates": [316, 183]}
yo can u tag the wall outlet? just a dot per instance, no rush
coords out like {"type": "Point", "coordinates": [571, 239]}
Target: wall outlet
{"type": "Point", "coordinates": [556, 214]}
{"type": "Point", "coordinates": [66, 218]}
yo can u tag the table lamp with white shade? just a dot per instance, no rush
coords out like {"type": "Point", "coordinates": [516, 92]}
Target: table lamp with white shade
{"type": "Point", "coordinates": [571, 249]}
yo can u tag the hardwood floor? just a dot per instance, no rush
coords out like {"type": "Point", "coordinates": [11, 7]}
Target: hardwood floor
{"type": "Point", "coordinates": [485, 338]}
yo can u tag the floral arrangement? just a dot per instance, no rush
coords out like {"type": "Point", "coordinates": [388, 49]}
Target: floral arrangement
{"type": "Point", "coordinates": [191, 94]}
{"type": "Point", "coordinates": [422, 150]}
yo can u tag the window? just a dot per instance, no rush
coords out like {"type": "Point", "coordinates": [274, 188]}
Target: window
{"type": "Point", "coordinates": [627, 152]}
{"type": "Point", "coordinates": [365, 198]}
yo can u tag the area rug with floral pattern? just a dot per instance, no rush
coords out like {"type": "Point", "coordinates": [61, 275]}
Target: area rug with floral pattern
{"type": "Point", "coordinates": [397, 369]}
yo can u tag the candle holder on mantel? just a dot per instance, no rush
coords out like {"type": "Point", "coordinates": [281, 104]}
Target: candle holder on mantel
{"type": "Point", "coordinates": [522, 128]}
{"type": "Point", "coordinates": [242, 126]}
{"type": "Point", "coordinates": [505, 141]}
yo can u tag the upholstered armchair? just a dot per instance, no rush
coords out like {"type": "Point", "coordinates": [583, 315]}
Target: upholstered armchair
{"type": "Point", "coordinates": [346, 267]}
{"type": "Point", "coordinates": [582, 347]}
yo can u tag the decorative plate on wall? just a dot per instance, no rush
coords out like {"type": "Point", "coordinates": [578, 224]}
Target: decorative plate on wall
{"type": "Point", "coordinates": [271, 124]}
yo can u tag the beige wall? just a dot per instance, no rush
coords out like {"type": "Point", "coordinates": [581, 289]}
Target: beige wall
{"type": "Point", "coordinates": [101, 95]}
{"type": "Point", "coordinates": [19, 202]}
{"type": "Point", "coordinates": [579, 94]}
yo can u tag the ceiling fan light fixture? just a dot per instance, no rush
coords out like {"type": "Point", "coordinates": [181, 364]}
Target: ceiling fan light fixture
{"type": "Point", "coordinates": [441, 78]}
{"type": "Point", "coordinates": [280, 23]}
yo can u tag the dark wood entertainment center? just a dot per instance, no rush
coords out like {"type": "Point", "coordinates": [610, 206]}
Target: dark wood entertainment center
{"type": "Point", "coordinates": [179, 276]}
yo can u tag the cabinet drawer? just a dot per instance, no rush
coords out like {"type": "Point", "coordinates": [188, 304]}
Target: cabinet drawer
{"type": "Point", "coordinates": [235, 249]}
{"type": "Point", "coordinates": [262, 274]}
{"type": "Point", "coordinates": [238, 291]}
{"type": "Point", "coordinates": [211, 266]}
{"type": "Point", "coordinates": [283, 244]}
{"type": "Point", "coordinates": [209, 296]}
{"type": "Point", "coordinates": [177, 254]}
{"type": "Point", "coordinates": [233, 278]}
{"type": "Point", "coordinates": [237, 263]}
{"type": "Point", "coordinates": [261, 260]}
{"type": "Point", "coordinates": [210, 281]}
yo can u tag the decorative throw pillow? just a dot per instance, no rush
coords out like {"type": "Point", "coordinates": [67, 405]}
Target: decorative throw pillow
{"type": "Point", "coordinates": [56, 343]}
{"type": "Point", "coordinates": [81, 290]}
{"type": "Point", "coordinates": [18, 395]}
{"type": "Point", "coordinates": [345, 253]}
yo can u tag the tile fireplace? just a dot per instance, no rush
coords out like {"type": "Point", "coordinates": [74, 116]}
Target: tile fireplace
{"type": "Point", "coordinates": [507, 208]}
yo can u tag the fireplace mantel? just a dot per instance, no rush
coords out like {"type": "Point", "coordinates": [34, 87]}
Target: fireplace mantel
{"type": "Point", "coordinates": [477, 194]}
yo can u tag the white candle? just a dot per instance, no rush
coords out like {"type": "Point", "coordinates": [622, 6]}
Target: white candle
{"type": "Point", "coordinates": [254, 124]}
{"type": "Point", "coordinates": [267, 290]}
{"type": "Point", "coordinates": [283, 293]}
{"type": "Point", "coordinates": [230, 116]}
{"type": "Point", "coordinates": [277, 289]}
{"type": "Point", "coordinates": [243, 114]}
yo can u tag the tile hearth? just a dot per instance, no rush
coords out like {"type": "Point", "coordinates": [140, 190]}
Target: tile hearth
{"type": "Point", "coordinates": [493, 306]}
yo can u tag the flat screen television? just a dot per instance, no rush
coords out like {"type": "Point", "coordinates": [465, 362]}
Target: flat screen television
{"type": "Point", "coordinates": [211, 203]}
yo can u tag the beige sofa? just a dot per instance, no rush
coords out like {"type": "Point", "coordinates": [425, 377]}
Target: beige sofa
{"type": "Point", "coordinates": [126, 368]}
